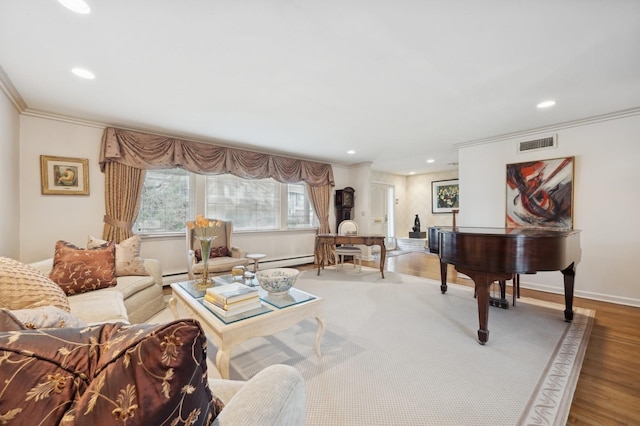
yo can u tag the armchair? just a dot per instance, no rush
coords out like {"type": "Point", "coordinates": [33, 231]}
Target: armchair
{"type": "Point", "coordinates": [220, 264]}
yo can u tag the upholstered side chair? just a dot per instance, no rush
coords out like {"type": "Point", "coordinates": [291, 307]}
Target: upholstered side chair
{"type": "Point", "coordinates": [349, 227]}
{"type": "Point", "coordinates": [223, 260]}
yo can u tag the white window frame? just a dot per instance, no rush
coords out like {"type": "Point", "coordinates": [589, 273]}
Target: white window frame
{"type": "Point", "coordinates": [198, 202]}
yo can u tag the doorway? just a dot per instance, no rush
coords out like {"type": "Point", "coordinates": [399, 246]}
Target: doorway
{"type": "Point", "coordinates": [382, 212]}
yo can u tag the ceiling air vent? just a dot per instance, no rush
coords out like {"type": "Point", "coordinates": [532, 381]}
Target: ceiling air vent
{"type": "Point", "coordinates": [537, 144]}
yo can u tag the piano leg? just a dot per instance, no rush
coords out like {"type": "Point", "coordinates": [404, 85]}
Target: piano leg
{"type": "Point", "coordinates": [483, 281]}
{"type": "Point", "coordinates": [569, 278]}
{"type": "Point", "coordinates": [443, 277]}
{"type": "Point", "coordinates": [483, 285]}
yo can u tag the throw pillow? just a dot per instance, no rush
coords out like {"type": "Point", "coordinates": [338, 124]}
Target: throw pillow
{"type": "Point", "coordinates": [107, 374]}
{"type": "Point", "coordinates": [8, 322]}
{"type": "Point", "coordinates": [47, 317]}
{"type": "Point", "coordinates": [128, 260]}
{"type": "Point", "coordinates": [214, 252]}
{"type": "Point", "coordinates": [79, 270]}
{"type": "Point", "coordinates": [23, 287]}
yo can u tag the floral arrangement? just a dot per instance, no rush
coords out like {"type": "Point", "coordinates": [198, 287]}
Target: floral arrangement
{"type": "Point", "coordinates": [202, 223]}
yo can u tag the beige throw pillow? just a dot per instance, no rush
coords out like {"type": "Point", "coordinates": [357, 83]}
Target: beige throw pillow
{"type": "Point", "coordinates": [128, 260]}
{"type": "Point", "coordinates": [45, 317]}
{"type": "Point", "coordinates": [23, 287]}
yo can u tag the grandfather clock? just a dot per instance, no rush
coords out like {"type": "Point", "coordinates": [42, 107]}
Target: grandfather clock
{"type": "Point", "coordinates": [344, 204]}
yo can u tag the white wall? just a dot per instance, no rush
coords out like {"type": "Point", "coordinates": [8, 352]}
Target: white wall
{"type": "Point", "coordinates": [606, 202]}
{"type": "Point", "coordinates": [419, 195]}
{"type": "Point", "coordinates": [46, 219]}
{"type": "Point", "coordinates": [9, 178]}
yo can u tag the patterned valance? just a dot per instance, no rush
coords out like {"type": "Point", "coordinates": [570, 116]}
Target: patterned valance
{"type": "Point", "coordinates": [148, 151]}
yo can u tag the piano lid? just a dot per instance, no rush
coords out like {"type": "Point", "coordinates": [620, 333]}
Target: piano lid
{"type": "Point", "coordinates": [514, 232]}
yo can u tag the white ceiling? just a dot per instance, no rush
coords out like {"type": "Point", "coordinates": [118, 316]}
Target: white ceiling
{"type": "Point", "coordinates": [398, 81]}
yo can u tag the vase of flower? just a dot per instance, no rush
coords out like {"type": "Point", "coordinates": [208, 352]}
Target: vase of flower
{"type": "Point", "coordinates": [200, 227]}
{"type": "Point", "coordinates": [205, 247]}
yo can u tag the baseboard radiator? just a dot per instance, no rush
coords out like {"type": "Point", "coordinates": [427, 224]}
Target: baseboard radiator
{"type": "Point", "coordinates": [266, 263]}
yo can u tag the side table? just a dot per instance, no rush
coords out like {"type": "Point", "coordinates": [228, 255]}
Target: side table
{"type": "Point", "coordinates": [255, 257]}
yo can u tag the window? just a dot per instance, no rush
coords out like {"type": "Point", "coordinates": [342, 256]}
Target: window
{"type": "Point", "coordinates": [252, 205]}
{"type": "Point", "coordinates": [170, 197]}
{"type": "Point", "coordinates": [300, 213]}
{"type": "Point", "coordinates": [258, 205]}
{"type": "Point", "coordinates": [164, 202]}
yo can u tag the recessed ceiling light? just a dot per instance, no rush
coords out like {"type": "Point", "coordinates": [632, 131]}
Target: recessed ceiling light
{"type": "Point", "coordinates": [412, 173]}
{"type": "Point", "coordinates": [546, 104]}
{"type": "Point", "coordinates": [83, 73]}
{"type": "Point", "coordinates": [351, 152]}
{"type": "Point", "coordinates": [431, 160]}
{"type": "Point", "coordinates": [77, 6]}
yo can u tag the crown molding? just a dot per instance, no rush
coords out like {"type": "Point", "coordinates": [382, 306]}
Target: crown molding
{"type": "Point", "coordinates": [12, 93]}
{"type": "Point", "coordinates": [553, 128]}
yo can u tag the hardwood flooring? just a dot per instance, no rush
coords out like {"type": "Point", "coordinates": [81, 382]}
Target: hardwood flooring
{"type": "Point", "coordinates": [608, 390]}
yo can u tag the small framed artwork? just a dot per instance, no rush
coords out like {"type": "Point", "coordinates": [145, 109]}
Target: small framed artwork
{"type": "Point", "coordinates": [540, 194]}
{"type": "Point", "coordinates": [64, 175]}
{"type": "Point", "coordinates": [445, 196]}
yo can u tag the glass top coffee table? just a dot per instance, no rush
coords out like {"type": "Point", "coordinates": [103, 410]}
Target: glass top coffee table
{"type": "Point", "coordinates": [276, 314]}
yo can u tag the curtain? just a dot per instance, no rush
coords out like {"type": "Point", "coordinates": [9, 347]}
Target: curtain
{"type": "Point", "coordinates": [320, 197]}
{"type": "Point", "coordinates": [148, 151]}
{"type": "Point", "coordinates": [123, 186]}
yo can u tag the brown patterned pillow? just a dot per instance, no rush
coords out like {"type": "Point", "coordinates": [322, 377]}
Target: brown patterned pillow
{"type": "Point", "coordinates": [79, 270]}
{"type": "Point", "coordinates": [128, 260]}
{"type": "Point", "coordinates": [214, 252]}
{"type": "Point", "coordinates": [108, 374]}
{"type": "Point", "coordinates": [24, 287]}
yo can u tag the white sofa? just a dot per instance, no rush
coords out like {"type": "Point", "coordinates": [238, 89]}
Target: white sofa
{"type": "Point", "coordinates": [134, 300]}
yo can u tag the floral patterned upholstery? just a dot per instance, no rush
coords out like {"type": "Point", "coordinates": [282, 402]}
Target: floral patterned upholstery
{"type": "Point", "coordinates": [128, 260]}
{"type": "Point", "coordinates": [79, 270]}
{"type": "Point", "coordinates": [107, 374]}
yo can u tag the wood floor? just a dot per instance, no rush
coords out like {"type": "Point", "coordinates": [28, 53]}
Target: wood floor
{"type": "Point", "coordinates": [608, 390]}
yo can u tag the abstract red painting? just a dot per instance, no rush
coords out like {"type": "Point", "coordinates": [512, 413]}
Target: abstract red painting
{"type": "Point", "coordinates": [540, 194]}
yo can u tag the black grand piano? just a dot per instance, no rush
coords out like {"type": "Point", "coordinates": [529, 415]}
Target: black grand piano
{"type": "Point", "coordinates": [487, 255]}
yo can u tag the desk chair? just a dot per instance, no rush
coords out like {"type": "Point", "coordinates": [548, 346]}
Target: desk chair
{"type": "Point", "coordinates": [349, 227]}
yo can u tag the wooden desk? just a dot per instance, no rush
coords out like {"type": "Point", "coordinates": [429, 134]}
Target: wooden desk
{"type": "Point", "coordinates": [333, 239]}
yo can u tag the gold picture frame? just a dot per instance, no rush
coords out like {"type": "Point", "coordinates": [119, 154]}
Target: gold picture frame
{"type": "Point", "coordinates": [64, 175]}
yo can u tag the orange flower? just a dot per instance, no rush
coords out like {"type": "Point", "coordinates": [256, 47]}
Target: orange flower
{"type": "Point", "coordinates": [203, 223]}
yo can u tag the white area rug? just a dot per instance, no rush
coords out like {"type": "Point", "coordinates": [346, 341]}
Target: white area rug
{"type": "Point", "coordinates": [398, 352]}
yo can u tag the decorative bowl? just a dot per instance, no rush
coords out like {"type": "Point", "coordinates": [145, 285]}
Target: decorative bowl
{"type": "Point", "coordinates": [278, 280]}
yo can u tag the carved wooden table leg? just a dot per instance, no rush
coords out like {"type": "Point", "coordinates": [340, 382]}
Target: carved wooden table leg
{"type": "Point", "coordinates": [383, 256]}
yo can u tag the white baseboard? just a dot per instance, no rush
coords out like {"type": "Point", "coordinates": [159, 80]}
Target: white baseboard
{"type": "Point", "coordinates": [268, 263]}
{"type": "Point", "coordinates": [584, 294]}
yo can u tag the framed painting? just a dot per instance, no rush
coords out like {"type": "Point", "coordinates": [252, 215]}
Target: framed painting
{"type": "Point", "coordinates": [64, 175]}
{"type": "Point", "coordinates": [540, 194]}
{"type": "Point", "coordinates": [445, 196]}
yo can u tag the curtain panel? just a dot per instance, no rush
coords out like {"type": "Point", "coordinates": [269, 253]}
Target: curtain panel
{"type": "Point", "coordinates": [148, 151]}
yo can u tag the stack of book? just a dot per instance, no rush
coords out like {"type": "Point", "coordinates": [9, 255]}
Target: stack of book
{"type": "Point", "coordinates": [232, 299]}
